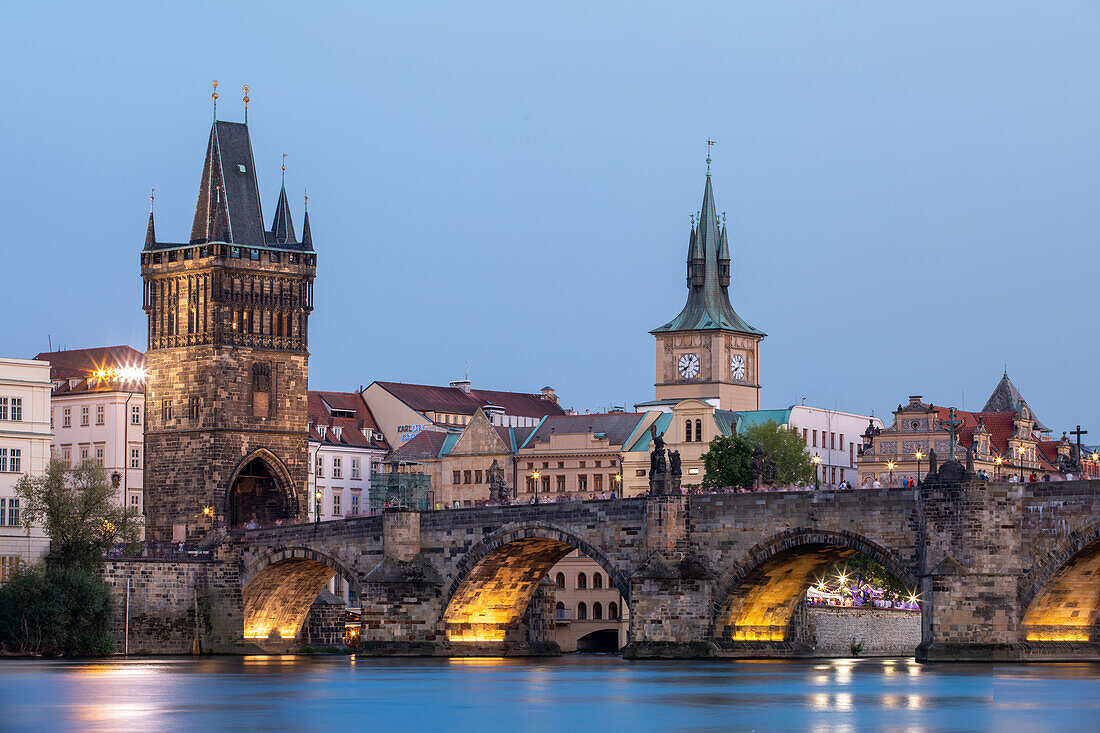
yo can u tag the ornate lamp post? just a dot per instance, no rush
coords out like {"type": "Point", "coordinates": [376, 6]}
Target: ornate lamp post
{"type": "Point", "coordinates": [535, 476]}
{"type": "Point", "coordinates": [890, 465]}
{"type": "Point", "coordinates": [816, 460]}
{"type": "Point", "coordinates": [919, 455]}
{"type": "Point", "coordinates": [317, 507]}
{"type": "Point", "coordinates": [1021, 450]}
{"type": "Point", "coordinates": [997, 470]}
{"type": "Point", "coordinates": [619, 485]}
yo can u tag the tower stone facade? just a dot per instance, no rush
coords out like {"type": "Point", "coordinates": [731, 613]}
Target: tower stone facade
{"type": "Point", "coordinates": [226, 421]}
{"type": "Point", "coordinates": [708, 352]}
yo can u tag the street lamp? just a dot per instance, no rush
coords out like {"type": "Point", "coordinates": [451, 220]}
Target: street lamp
{"type": "Point", "coordinates": [997, 462]}
{"type": "Point", "coordinates": [1021, 450]}
{"type": "Point", "coordinates": [317, 507]}
{"type": "Point", "coordinates": [919, 455]}
{"type": "Point", "coordinates": [619, 485]}
{"type": "Point", "coordinates": [535, 476]}
{"type": "Point", "coordinates": [816, 460]}
{"type": "Point", "coordinates": [890, 465]}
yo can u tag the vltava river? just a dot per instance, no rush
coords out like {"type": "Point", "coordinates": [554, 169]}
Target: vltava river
{"type": "Point", "coordinates": [568, 694]}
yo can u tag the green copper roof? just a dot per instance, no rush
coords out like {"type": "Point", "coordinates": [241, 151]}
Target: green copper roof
{"type": "Point", "coordinates": [749, 418]}
{"type": "Point", "coordinates": [662, 423]}
{"type": "Point", "coordinates": [708, 304]}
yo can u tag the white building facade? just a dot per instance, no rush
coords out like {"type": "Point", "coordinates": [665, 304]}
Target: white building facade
{"type": "Point", "coordinates": [835, 437]}
{"type": "Point", "coordinates": [24, 450]}
{"type": "Point", "coordinates": [344, 445]}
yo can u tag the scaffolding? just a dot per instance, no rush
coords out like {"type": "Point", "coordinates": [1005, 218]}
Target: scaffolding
{"type": "Point", "coordinates": [393, 488]}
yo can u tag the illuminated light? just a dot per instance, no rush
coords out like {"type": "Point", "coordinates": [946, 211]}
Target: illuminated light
{"type": "Point", "coordinates": [1079, 634]}
{"type": "Point", "coordinates": [288, 633]}
{"type": "Point", "coordinates": [759, 633]}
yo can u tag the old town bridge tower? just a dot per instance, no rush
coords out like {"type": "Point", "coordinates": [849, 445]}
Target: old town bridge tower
{"type": "Point", "coordinates": [225, 402]}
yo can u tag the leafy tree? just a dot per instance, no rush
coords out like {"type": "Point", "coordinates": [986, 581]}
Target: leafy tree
{"type": "Point", "coordinates": [863, 572]}
{"type": "Point", "coordinates": [786, 448]}
{"type": "Point", "coordinates": [727, 462]}
{"type": "Point", "coordinates": [55, 610]}
{"type": "Point", "coordinates": [75, 507]}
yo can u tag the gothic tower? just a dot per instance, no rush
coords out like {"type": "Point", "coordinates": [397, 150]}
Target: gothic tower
{"type": "Point", "coordinates": [225, 399]}
{"type": "Point", "coordinates": [707, 352]}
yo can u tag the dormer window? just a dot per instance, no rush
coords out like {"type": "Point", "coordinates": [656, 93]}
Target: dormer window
{"type": "Point", "coordinates": [323, 430]}
{"type": "Point", "coordinates": [240, 168]}
{"type": "Point", "coordinates": [337, 431]}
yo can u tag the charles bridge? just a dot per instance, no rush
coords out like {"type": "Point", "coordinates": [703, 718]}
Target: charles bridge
{"type": "Point", "coordinates": [1002, 571]}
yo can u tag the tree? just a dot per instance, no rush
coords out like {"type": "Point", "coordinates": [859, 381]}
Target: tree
{"type": "Point", "coordinates": [55, 610]}
{"type": "Point", "coordinates": [74, 505]}
{"type": "Point", "coordinates": [864, 573]}
{"type": "Point", "coordinates": [786, 448]}
{"type": "Point", "coordinates": [727, 462]}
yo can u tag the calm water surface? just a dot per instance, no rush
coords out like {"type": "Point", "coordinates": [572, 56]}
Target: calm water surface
{"type": "Point", "coordinates": [576, 693]}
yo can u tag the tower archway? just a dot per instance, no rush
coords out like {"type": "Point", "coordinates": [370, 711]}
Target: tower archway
{"type": "Point", "coordinates": [260, 492]}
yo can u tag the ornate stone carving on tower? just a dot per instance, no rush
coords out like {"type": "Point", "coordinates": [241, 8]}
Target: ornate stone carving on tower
{"type": "Point", "coordinates": [708, 352]}
{"type": "Point", "coordinates": [226, 412]}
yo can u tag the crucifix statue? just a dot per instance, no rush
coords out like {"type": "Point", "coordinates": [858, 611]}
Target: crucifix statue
{"type": "Point", "coordinates": [953, 426]}
{"type": "Point", "coordinates": [1077, 434]}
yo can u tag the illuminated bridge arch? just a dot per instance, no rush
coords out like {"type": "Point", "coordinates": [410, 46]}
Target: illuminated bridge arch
{"type": "Point", "coordinates": [757, 597]}
{"type": "Point", "coordinates": [279, 588]}
{"type": "Point", "coordinates": [497, 578]}
{"type": "Point", "coordinates": [1060, 598]}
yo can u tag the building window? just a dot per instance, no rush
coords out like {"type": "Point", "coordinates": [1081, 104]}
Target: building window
{"type": "Point", "coordinates": [457, 478]}
{"type": "Point", "coordinates": [135, 458]}
{"type": "Point", "coordinates": [597, 580]}
{"type": "Point", "coordinates": [9, 564]}
{"type": "Point", "coordinates": [99, 454]}
{"type": "Point", "coordinates": [99, 414]}
{"type": "Point", "coordinates": [84, 417]}
{"type": "Point", "coordinates": [582, 611]}
{"type": "Point", "coordinates": [597, 611]}
{"type": "Point", "coordinates": [597, 482]}
{"type": "Point", "coordinates": [832, 441]}
{"type": "Point", "coordinates": [10, 459]}
{"type": "Point", "coordinates": [561, 484]}
{"type": "Point", "coordinates": [805, 436]}
{"type": "Point", "coordinates": [193, 408]}
{"type": "Point", "coordinates": [320, 466]}
{"type": "Point", "coordinates": [17, 409]}
{"type": "Point", "coordinates": [336, 497]}
{"type": "Point", "coordinates": [582, 581]}
{"type": "Point", "coordinates": [687, 431]}
{"type": "Point", "coordinates": [598, 463]}
{"type": "Point", "coordinates": [355, 503]}
{"type": "Point", "coordinates": [3, 408]}
{"type": "Point", "coordinates": [698, 431]}
{"type": "Point", "coordinates": [466, 475]}
{"type": "Point", "coordinates": [337, 468]}
{"type": "Point", "coordinates": [66, 453]}
{"type": "Point", "coordinates": [841, 441]}
{"type": "Point", "coordinates": [582, 464]}
{"type": "Point", "coordinates": [166, 410]}
{"type": "Point", "coordinates": [613, 611]}
{"type": "Point", "coordinates": [13, 512]}
{"type": "Point", "coordinates": [83, 453]}
{"type": "Point", "coordinates": [135, 415]}
{"type": "Point", "coordinates": [67, 417]}
{"type": "Point", "coordinates": [355, 472]}
{"type": "Point", "coordinates": [815, 439]}
{"type": "Point", "coordinates": [134, 501]}
{"type": "Point", "coordinates": [561, 464]}
{"type": "Point", "coordinates": [559, 580]}
{"type": "Point", "coordinates": [582, 482]}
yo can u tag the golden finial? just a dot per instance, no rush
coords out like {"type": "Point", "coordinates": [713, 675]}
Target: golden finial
{"type": "Point", "coordinates": [284, 166]}
{"type": "Point", "coordinates": [246, 101]}
{"type": "Point", "coordinates": [219, 190]}
{"type": "Point", "coordinates": [305, 198]}
{"type": "Point", "coordinates": [152, 192]}
{"type": "Point", "coordinates": [214, 96]}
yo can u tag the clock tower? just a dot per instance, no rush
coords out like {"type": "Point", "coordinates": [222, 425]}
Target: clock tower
{"type": "Point", "coordinates": [708, 352]}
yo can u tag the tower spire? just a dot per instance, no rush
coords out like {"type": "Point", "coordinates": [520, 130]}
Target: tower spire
{"type": "Point", "coordinates": [150, 231]}
{"type": "Point", "coordinates": [307, 236]}
{"type": "Point", "coordinates": [282, 226]}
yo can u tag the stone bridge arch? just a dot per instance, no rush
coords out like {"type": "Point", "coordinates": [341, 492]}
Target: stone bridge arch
{"type": "Point", "coordinates": [495, 580]}
{"type": "Point", "coordinates": [757, 597]}
{"type": "Point", "coordinates": [1059, 599]}
{"type": "Point", "coordinates": [279, 587]}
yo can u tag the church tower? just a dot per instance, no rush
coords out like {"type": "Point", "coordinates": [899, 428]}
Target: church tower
{"type": "Point", "coordinates": [707, 352]}
{"type": "Point", "coordinates": [225, 399]}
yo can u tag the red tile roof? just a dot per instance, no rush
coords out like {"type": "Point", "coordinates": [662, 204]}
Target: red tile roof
{"type": "Point", "coordinates": [429, 398]}
{"type": "Point", "coordinates": [81, 364]}
{"type": "Point", "coordinates": [423, 445]}
{"type": "Point", "coordinates": [352, 429]}
{"type": "Point", "coordinates": [999, 425]}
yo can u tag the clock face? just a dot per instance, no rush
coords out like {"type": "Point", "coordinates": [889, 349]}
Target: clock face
{"type": "Point", "coordinates": [688, 366]}
{"type": "Point", "coordinates": [737, 366]}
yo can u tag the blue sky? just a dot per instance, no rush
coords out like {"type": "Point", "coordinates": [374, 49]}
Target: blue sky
{"type": "Point", "coordinates": [911, 188]}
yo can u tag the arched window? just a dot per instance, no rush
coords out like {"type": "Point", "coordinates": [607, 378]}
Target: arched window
{"type": "Point", "coordinates": [613, 611]}
{"type": "Point", "coordinates": [698, 431]}
{"type": "Point", "coordinates": [687, 430]}
{"type": "Point", "coordinates": [559, 611]}
{"type": "Point", "coordinates": [582, 611]}
{"type": "Point", "coordinates": [560, 580]}
{"type": "Point", "coordinates": [582, 581]}
{"type": "Point", "coordinates": [597, 611]}
{"type": "Point", "coordinates": [597, 580]}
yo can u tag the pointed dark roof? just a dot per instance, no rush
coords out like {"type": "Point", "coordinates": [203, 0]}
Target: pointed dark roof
{"type": "Point", "coordinates": [708, 306]}
{"type": "Point", "coordinates": [150, 234]}
{"type": "Point", "coordinates": [228, 207]}
{"type": "Point", "coordinates": [307, 236]}
{"type": "Point", "coordinates": [282, 226]}
{"type": "Point", "coordinates": [1006, 398]}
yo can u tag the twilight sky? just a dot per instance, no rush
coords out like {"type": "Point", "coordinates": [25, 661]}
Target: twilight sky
{"type": "Point", "coordinates": [911, 189]}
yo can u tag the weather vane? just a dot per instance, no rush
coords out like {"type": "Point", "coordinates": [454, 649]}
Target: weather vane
{"type": "Point", "coordinates": [214, 96]}
{"type": "Point", "coordinates": [284, 167]}
{"type": "Point", "coordinates": [710, 143]}
{"type": "Point", "coordinates": [305, 199]}
{"type": "Point", "coordinates": [246, 101]}
{"type": "Point", "coordinates": [152, 192]}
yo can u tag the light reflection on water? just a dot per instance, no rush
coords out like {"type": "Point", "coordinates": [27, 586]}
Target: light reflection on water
{"type": "Point", "coordinates": [574, 693]}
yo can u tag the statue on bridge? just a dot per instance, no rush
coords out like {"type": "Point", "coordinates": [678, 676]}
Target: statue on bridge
{"type": "Point", "coordinates": [499, 493]}
{"type": "Point", "coordinates": [663, 478]}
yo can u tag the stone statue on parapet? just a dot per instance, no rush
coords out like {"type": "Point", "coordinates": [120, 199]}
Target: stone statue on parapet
{"type": "Point", "coordinates": [932, 469]}
{"type": "Point", "coordinates": [662, 479]}
{"type": "Point", "coordinates": [970, 458]}
{"type": "Point", "coordinates": [499, 492]}
{"type": "Point", "coordinates": [758, 466]}
{"type": "Point", "coordinates": [674, 463]}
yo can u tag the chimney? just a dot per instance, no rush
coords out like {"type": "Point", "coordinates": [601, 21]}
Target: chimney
{"type": "Point", "coordinates": [463, 384]}
{"type": "Point", "coordinates": [548, 394]}
{"type": "Point", "coordinates": [914, 399]}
